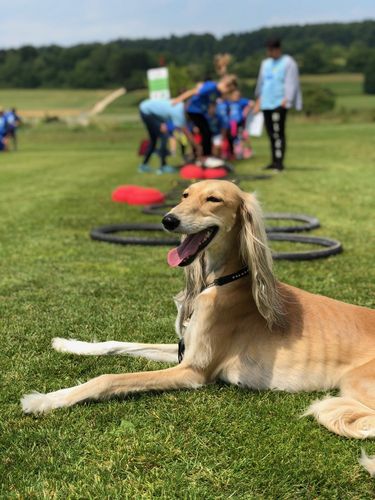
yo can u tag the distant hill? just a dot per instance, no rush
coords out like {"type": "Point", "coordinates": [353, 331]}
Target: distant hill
{"type": "Point", "coordinates": [319, 48]}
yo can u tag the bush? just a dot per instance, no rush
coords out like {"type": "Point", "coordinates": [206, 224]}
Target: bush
{"type": "Point", "coordinates": [369, 81]}
{"type": "Point", "coordinates": [317, 100]}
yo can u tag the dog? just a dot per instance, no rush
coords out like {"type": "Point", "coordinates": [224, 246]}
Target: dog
{"type": "Point", "coordinates": [238, 324]}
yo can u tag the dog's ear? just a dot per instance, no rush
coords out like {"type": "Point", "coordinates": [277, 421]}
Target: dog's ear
{"type": "Point", "coordinates": [257, 255]}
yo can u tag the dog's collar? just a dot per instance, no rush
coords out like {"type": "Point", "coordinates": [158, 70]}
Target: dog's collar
{"type": "Point", "coordinates": [224, 280]}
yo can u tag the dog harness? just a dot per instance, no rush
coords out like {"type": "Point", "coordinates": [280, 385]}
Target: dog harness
{"type": "Point", "coordinates": [223, 280]}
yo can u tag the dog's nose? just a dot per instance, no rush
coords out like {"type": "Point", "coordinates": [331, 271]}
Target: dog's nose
{"type": "Point", "coordinates": [170, 222]}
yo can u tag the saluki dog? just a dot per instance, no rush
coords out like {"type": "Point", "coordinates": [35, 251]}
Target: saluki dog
{"type": "Point", "coordinates": [238, 324]}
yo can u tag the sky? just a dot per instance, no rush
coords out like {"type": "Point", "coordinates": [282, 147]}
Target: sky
{"type": "Point", "coordinates": [68, 22]}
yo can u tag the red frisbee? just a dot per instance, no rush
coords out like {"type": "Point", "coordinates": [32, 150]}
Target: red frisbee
{"type": "Point", "coordinates": [192, 171]}
{"type": "Point", "coordinates": [137, 195]}
{"type": "Point", "coordinates": [215, 173]}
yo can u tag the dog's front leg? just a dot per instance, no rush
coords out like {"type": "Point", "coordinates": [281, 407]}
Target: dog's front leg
{"type": "Point", "coordinates": [156, 352]}
{"type": "Point", "coordinates": [105, 386]}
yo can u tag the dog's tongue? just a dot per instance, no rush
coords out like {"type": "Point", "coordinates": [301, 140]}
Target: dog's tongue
{"type": "Point", "coordinates": [188, 247]}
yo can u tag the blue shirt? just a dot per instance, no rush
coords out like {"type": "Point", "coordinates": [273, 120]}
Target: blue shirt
{"type": "Point", "coordinates": [207, 94]}
{"type": "Point", "coordinates": [3, 126]}
{"type": "Point", "coordinates": [12, 119]}
{"type": "Point", "coordinates": [272, 87]}
{"type": "Point", "coordinates": [165, 110]}
{"type": "Point", "coordinates": [236, 109]}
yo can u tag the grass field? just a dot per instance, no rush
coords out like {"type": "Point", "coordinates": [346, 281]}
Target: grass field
{"type": "Point", "coordinates": [348, 89]}
{"type": "Point", "coordinates": [218, 442]}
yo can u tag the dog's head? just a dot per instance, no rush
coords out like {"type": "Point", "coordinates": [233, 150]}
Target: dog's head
{"type": "Point", "coordinates": [207, 211]}
{"type": "Point", "coordinates": [219, 218]}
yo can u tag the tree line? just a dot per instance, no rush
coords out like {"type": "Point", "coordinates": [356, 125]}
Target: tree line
{"type": "Point", "coordinates": [318, 48]}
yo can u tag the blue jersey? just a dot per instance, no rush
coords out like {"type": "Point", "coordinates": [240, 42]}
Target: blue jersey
{"type": "Point", "coordinates": [272, 82]}
{"type": "Point", "coordinates": [207, 94]}
{"type": "Point", "coordinates": [236, 109]}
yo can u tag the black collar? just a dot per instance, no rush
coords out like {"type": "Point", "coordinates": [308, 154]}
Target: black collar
{"type": "Point", "coordinates": [223, 280]}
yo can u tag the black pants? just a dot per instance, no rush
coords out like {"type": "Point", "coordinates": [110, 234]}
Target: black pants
{"type": "Point", "coordinates": [274, 120]}
{"type": "Point", "coordinates": [152, 124]}
{"type": "Point", "coordinates": [204, 128]}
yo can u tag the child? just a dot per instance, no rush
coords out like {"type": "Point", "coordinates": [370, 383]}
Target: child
{"type": "Point", "coordinates": [13, 121]}
{"type": "Point", "coordinates": [3, 131]}
{"type": "Point", "coordinates": [218, 127]}
{"type": "Point", "coordinates": [200, 98]}
{"type": "Point", "coordinates": [239, 108]}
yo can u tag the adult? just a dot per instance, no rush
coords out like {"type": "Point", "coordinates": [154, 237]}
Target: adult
{"type": "Point", "coordinates": [277, 90]}
{"type": "Point", "coordinates": [201, 97]}
{"type": "Point", "coordinates": [155, 114]}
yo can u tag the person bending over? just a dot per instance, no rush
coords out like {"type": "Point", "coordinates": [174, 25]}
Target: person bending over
{"type": "Point", "coordinates": [200, 98]}
{"type": "Point", "coordinates": [155, 114]}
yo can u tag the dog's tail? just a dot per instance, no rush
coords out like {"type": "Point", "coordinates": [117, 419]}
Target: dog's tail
{"type": "Point", "coordinates": [347, 417]}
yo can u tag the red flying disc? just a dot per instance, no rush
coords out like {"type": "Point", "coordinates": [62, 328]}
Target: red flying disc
{"type": "Point", "coordinates": [215, 173]}
{"type": "Point", "coordinates": [137, 195]}
{"type": "Point", "coordinates": [191, 171]}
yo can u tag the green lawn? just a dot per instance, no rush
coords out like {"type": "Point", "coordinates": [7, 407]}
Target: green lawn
{"type": "Point", "coordinates": [47, 99]}
{"type": "Point", "coordinates": [218, 442]}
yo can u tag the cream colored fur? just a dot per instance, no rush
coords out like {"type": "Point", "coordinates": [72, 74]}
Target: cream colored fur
{"type": "Point", "coordinates": [254, 332]}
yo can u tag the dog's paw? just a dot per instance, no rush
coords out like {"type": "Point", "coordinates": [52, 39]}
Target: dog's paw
{"type": "Point", "coordinates": [35, 403]}
{"type": "Point", "coordinates": [65, 345]}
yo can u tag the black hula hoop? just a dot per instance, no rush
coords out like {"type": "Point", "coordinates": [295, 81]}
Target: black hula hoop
{"type": "Point", "coordinates": [332, 247]}
{"type": "Point", "coordinates": [309, 222]}
{"type": "Point", "coordinates": [105, 233]}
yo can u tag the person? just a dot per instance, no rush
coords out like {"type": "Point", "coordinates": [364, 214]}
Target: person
{"type": "Point", "coordinates": [218, 128]}
{"type": "Point", "coordinates": [277, 90]}
{"type": "Point", "coordinates": [155, 114]}
{"type": "Point", "coordinates": [13, 121]}
{"type": "Point", "coordinates": [3, 131]}
{"type": "Point", "coordinates": [239, 108]}
{"type": "Point", "coordinates": [199, 99]}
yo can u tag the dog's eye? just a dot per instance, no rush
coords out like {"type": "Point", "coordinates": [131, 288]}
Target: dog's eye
{"type": "Point", "coordinates": [214, 199]}
{"type": "Point", "coordinates": [185, 195]}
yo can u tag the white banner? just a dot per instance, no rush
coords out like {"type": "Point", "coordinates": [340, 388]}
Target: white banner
{"type": "Point", "coordinates": [158, 83]}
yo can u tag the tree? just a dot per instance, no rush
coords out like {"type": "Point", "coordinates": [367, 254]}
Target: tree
{"type": "Point", "coordinates": [179, 79]}
{"type": "Point", "coordinates": [369, 82]}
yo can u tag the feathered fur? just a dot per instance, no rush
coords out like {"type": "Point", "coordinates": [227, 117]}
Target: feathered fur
{"type": "Point", "coordinates": [254, 332]}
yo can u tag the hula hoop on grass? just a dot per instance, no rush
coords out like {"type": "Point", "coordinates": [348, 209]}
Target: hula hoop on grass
{"type": "Point", "coordinates": [106, 233]}
{"type": "Point", "coordinates": [332, 247]}
{"type": "Point", "coordinates": [309, 222]}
